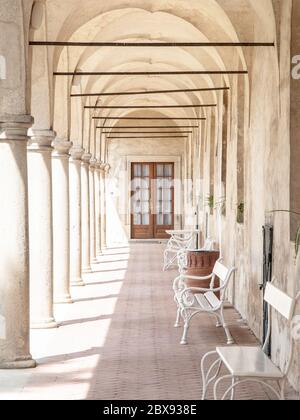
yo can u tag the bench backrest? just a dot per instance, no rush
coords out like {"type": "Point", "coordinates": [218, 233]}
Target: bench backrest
{"type": "Point", "coordinates": [284, 305]}
{"type": "Point", "coordinates": [280, 301]}
{"type": "Point", "coordinates": [221, 272]}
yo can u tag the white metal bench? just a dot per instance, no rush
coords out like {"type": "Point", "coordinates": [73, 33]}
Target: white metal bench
{"type": "Point", "coordinates": [180, 240]}
{"type": "Point", "coordinates": [192, 301]}
{"type": "Point", "coordinates": [251, 364]}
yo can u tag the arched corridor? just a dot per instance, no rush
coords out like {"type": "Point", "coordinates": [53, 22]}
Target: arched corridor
{"type": "Point", "coordinates": [121, 122]}
{"type": "Point", "coordinates": [115, 342]}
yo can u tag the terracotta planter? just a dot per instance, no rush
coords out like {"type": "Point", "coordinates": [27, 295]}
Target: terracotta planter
{"type": "Point", "coordinates": [201, 263]}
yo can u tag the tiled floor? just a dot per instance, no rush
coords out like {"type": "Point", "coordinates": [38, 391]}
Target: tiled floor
{"type": "Point", "coordinates": [117, 340]}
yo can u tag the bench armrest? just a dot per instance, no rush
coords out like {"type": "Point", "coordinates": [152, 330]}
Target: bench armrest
{"type": "Point", "coordinates": [197, 278]}
{"type": "Point", "coordinates": [202, 290]}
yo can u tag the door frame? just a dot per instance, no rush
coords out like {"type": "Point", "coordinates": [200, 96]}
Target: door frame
{"type": "Point", "coordinates": [178, 188]}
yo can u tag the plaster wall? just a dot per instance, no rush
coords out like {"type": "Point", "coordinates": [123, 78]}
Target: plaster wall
{"type": "Point", "coordinates": [267, 187]}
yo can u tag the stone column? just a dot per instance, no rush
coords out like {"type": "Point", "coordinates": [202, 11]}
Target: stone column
{"type": "Point", "coordinates": [14, 244]}
{"type": "Point", "coordinates": [40, 229]}
{"type": "Point", "coordinates": [104, 172]}
{"type": "Point", "coordinates": [75, 216]}
{"type": "Point", "coordinates": [98, 209]}
{"type": "Point", "coordinates": [61, 222]}
{"type": "Point", "coordinates": [85, 213]}
{"type": "Point", "coordinates": [92, 175]}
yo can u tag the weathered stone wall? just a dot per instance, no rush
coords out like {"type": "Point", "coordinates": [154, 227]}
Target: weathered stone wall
{"type": "Point", "coordinates": [266, 187]}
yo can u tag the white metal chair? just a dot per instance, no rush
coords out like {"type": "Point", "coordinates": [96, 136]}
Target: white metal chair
{"type": "Point", "coordinates": [180, 240]}
{"type": "Point", "coordinates": [251, 364]}
{"type": "Point", "coordinates": [192, 301]}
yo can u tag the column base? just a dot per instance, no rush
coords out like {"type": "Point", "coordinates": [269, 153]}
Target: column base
{"type": "Point", "coordinates": [87, 270]}
{"type": "Point", "coordinates": [65, 299]}
{"type": "Point", "coordinates": [46, 324]}
{"type": "Point", "coordinates": [77, 283]}
{"type": "Point", "coordinates": [24, 363]}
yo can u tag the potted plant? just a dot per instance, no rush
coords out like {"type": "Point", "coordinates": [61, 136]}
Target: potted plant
{"type": "Point", "coordinates": [240, 212]}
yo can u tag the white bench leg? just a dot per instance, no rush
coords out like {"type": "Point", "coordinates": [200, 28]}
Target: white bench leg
{"type": "Point", "coordinates": [230, 339]}
{"type": "Point", "coordinates": [185, 333]}
{"type": "Point", "coordinates": [244, 381]}
{"type": "Point", "coordinates": [217, 384]}
{"type": "Point", "coordinates": [206, 380]}
{"type": "Point", "coordinates": [177, 323]}
{"type": "Point", "coordinates": [186, 317]}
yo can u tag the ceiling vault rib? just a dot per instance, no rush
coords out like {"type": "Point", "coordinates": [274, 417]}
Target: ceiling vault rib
{"type": "Point", "coordinates": [151, 44]}
{"type": "Point", "coordinates": [150, 106]}
{"type": "Point", "coordinates": [146, 132]}
{"type": "Point", "coordinates": [148, 137]}
{"type": "Point", "coordinates": [148, 73]}
{"type": "Point", "coordinates": [149, 118]}
{"type": "Point", "coordinates": [148, 127]}
{"type": "Point", "coordinates": [153, 92]}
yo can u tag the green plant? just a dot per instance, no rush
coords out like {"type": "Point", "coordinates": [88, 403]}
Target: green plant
{"type": "Point", "coordinates": [240, 212]}
{"type": "Point", "coordinates": [297, 236]}
{"type": "Point", "coordinates": [210, 202]}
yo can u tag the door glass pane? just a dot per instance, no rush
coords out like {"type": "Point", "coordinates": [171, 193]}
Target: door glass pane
{"type": "Point", "coordinates": [137, 207]}
{"type": "Point", "coordinates": [159, 194]}
{"type": "Point", "coordinates": [159, 207]}
{"type": "Point", "coordinates": [145, 184]}
{"type": "Point", "coordinates": [145, 207]}
{"type": "Point", "coordinates": [145, 195]}
{"type": "Point", "coordinates": [137, 195]}
{"type": "Point", "coordinates": [167, 207]}
{"type": "Point", "coordinates": [160, 170]}
{"type": "Point", "coordinates": [136, 183]}
{"type": "Point", "coordinates": [137, 219]}
{"type": "Point", "coordinates": [167, 195]}
{"type": "Point", "coordinates": [141, 195]}
{"type": "Point", "coordinates": [145, 220]}
{"type": "Point", "coordinates": [160, 219]}
{"type": "Point", "coordinates": [146, 171]}
{"type": "Point", "coordinates": [168, 219]}
{"type": "Point", "coordinates": [168, 172]}
{"type": "Point", "coordinates": [137, 170]}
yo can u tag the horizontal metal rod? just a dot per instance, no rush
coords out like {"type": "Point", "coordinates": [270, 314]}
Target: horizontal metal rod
{"type": "Point", "coordinates": [150, 44]}
{"type": "Point", "coordinates": [149, 92]}
{"type": "Point", "coordinates": [146, 132]}
{"type": "Point", "coordinates": [148, 118]}
{"type": "Point", "coordinates": [148, 127]}
{"type": "Point", "coordinates": [148, 73]}
{"type": "Point", "coordinates": [150, 137]}
{"type": "Point", "coordinates": [150, 106]}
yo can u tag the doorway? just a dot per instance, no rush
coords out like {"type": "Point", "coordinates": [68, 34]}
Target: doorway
{"type": "Point", "coordinates": [152, 200]}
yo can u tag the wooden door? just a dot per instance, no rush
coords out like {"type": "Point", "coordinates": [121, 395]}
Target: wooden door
{"type": "Point", "coordinates": [142, 219]}
{"type": "Point", "coordinates": [152, 200]}
{"type": "Point", "coordinates": [163, 199]}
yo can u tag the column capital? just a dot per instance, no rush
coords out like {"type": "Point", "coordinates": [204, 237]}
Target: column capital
{"type": "Point", "coordinates": [15, 127]}
{"type": "Point", "coordinates": [93, 163]}
{"type": "Point", "coordinates": [41, 140]}
{"type": "Point", "coordinates": [106, 168]}
{"type": "Point", "coordinates": [86, 158]}
{"type": "Point", "coordinates": [61, 147]}
{"type": "Point", "coordinates": [98, 165]}
{"type": "Point", "coordinates": [76, 153]}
